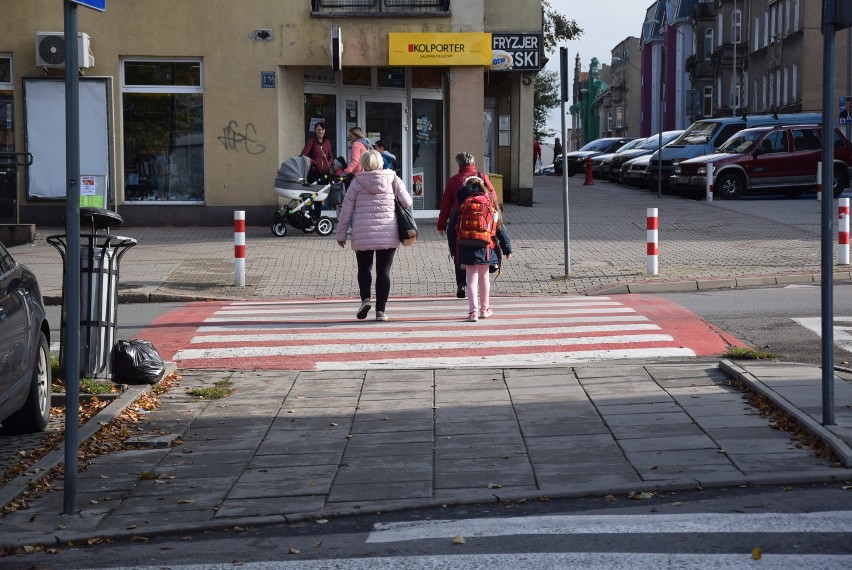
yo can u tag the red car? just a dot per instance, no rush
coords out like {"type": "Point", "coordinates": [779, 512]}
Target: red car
{"type": "Point", "coordinates": [780, 159]}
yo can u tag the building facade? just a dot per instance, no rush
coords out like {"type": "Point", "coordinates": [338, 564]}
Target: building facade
{"type": "Point", "coordinates": [188, 108]}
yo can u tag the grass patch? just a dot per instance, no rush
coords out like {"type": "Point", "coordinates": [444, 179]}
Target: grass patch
{"type": "Point", "coordinates": [149, 475]}
{"type": "Point", "coordinates": [87, 386]}
{"type": "Point", "coordinates": [220, 389]}
{"type": "Point", "coordinates": [741, 353]}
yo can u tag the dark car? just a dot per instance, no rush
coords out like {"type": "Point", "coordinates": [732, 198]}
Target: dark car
{"type": "Point", "coordinates": [601, 163]}
{"type": "Point", "coordinates": [576, 161]}
{"type": "Point", "coordinates": [25, 377]}
{"type": "Point", "coordinates": [780, 159]}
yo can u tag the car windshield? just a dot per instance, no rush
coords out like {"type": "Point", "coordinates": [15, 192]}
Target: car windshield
{"type": "Point", "coordinates": [698, 133]}
{"type": "Point", "coordinates": [740, 142]}
{"type": "Point", "coordinates": [631, 145]}
{"type": "Point", "coordinates": [653, 143]}
{"type": "Point", "coordinates": [598, 145]}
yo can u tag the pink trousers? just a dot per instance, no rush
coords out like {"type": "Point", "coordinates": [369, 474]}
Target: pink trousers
{"type": "Point", "coordinates": [478, 288]}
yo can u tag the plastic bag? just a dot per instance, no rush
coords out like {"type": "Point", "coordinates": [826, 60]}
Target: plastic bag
{"type": "Point", "coordinates": [137, 362]}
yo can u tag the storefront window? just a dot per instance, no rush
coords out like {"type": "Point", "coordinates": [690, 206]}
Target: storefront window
{"type": "Point", "coordinates": [426, 78]}
{"type": "Point", "coordinates": [358, 76]}
{"type": "Point", "coordinates": [427, 148]}
{"type": "Point", "coordinates": [391, 77]}
{"type": "Point", "coordinates": [163, 110]}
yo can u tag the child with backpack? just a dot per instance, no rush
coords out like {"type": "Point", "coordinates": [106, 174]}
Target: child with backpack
{"type": "Point", "coordinates": [481, 241]}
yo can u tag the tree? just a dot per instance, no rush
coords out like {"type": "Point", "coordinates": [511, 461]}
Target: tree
{"type": "Point", "coordinates": [555, 27]}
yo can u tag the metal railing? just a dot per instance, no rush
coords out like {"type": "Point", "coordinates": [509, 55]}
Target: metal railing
{"type": "Point", "coordinates": [372, 7]}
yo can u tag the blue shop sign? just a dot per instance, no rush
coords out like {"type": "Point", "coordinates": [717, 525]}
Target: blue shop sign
{"type": "Point", "coordinates": [99, 5]}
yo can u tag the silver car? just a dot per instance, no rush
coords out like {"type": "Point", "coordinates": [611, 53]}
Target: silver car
{"type": "Point", "coordinates": [25, 377]}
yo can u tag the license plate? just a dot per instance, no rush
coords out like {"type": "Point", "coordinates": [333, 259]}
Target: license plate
{"type": "Point", "coordinates": [681, 179]}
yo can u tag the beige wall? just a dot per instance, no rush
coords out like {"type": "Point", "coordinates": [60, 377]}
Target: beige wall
{"type": "Point", "coordinates": [219, 33]}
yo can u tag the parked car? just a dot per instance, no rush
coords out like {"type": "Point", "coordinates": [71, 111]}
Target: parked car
{"type": "Point", "coordinates": [601, 163]}
{"type": "Point", "coordinates": [767, 159]}
{"type": "Point", "coordinates": [25, 377]}
{"type": "Point", "coordinates": [706, 135]}
{"type": "Point", "coordinates": [633, 171]}
{"type": "Point", "coordinates": [649, 145]}
{"type": "Point", "coordinates": [576, 161]}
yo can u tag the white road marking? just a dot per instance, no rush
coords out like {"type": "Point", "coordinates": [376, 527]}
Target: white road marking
{"type": "Point", "coordinates": [831, 521]}
{"type": "Point", "coordinates": [313, 316]}
{"type": "Point", "coordinates": [450, 307]}
{"type": "Point", "coordinates": [842, 329]}
{"type": "Point", "coordinates": [396, 321]}
{"type": "Point", "coordinates": [539, 561]}
{"type": "Point", "coordinates": [300, 350]}
{"type": "Point", "coordinates": [411, 334]}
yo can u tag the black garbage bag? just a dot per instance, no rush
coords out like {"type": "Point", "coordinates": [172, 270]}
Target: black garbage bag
{"type": "Point", "coordinates": [137, 362]}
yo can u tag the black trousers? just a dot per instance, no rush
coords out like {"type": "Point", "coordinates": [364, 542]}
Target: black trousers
{"type": "Point", "coordinates": [384, 260]}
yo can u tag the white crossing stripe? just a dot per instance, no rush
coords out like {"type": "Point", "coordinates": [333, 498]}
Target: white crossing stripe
{"type": "Point", "coordinates": [819, 522]}
{"type": "Point", "coordinates": [842, 329]}
{"type": "Point", "coordinates": [539, 561]}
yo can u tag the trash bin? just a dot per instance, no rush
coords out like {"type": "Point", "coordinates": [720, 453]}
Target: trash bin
{"type": "Point", "coordinates": [100, 254]}
{"type": "Point", "coordinates": [497, 182]}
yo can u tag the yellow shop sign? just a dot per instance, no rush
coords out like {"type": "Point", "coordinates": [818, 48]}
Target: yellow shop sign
{"type": "Point", "coordinates": [462, 48]}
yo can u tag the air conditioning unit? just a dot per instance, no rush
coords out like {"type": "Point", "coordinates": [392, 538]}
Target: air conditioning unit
{"type": "Point", "coordinates": [50, 50]}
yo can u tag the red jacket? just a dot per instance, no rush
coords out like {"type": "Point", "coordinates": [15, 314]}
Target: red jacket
{"type": "Point", "coordinates": [448, 200]}
{"type": "Point", "coordinates": [320, 155]}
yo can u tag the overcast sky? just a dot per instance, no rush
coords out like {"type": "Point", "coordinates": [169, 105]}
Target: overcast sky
{"type": "Point", "coordinates": [604, 24]}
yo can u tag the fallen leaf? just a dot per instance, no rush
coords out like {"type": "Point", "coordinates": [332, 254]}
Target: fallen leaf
{"type": "Point", "coordinates": [756, 553]}
{"type": "Point", "coordinates": [495, 485]}
{"type": "Point", "coordinates": [610, 498]}
{"type": "Point", "coordinates": [321, 521]}
{"type": "Point", "coordinates": [458, 539]}
{"type": "Point", "coordinates": [676, 504]}
{"type": "Point", "coordinates": [640, 496]}
{"type": "Point", "coordinates": [139, 539]}
{"type": "Point", "coordinates": [185, 502]}
{"type": "Point", "coordinates": [293, 551]}
{"type": "Point", "coordinates": [317, 544]}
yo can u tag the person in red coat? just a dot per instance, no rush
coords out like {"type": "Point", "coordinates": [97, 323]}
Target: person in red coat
{"type": "Point", "coordinates": [536, 154]}
{"type": "Point", "coordinates": [467, 168]}
{"type": "Point", "coordinates": [318, 149]}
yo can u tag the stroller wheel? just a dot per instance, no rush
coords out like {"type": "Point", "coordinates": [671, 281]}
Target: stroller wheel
{"type": "Point", "coordinates": [325, 226]}
{"type": "Point", "coordinates": [279, 229]}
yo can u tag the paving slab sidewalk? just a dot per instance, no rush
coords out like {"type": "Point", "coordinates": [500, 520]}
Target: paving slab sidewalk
{"type": "Point", "coordinates": [289, 446]}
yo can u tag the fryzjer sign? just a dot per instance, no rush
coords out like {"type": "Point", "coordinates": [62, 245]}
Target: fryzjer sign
{"type": "Point", "coordinates": [516, 52]}
{"type": "Point", "coordinates": [99, 5]}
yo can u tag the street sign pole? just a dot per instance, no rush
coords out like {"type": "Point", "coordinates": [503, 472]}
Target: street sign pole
{"type": "Point", "coordinates": [827, 215]}
{"type": "Point", "coordinates": [71, 297]}
{"type": "Point", "coordinates": [563, 78]}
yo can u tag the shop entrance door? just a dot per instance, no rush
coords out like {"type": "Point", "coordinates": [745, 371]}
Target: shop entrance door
{"type": "Point", "coordinates": [383, 121]}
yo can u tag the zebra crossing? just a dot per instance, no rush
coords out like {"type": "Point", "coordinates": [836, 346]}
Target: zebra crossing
{"type": "Point", "coordinates": [429, 333]}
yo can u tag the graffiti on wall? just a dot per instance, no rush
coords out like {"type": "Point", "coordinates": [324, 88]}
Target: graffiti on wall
{"type": "Point", "coordinates": [236, 139]}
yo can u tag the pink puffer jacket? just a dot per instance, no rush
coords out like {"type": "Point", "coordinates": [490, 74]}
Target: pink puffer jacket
{"type": "Point", "coordinates": [369, 206]}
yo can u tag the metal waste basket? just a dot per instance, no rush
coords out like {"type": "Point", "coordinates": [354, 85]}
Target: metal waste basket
{"type": "Point", "coordinates": [100, 254]}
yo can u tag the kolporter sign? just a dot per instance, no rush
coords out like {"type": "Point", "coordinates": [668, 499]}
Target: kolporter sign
{"type": "Point", "coordinates": [439, 49]}
{"type": "Point", "coordinates": [516, 52]}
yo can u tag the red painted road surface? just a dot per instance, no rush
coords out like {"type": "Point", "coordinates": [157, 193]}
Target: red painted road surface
{"type": "Point", "coordinates": [430, 333]}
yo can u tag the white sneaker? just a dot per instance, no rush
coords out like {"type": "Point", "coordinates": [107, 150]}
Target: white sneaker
{"type": "Point", "coordinates": [381, 316]}
{"type": "Point", "coordinates": [472, 317]}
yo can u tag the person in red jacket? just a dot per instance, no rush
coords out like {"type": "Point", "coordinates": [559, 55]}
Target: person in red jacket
{"type": "Point", "coordinates": [467, 168]}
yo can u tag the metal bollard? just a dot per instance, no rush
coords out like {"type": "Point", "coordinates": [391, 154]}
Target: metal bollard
{"type": "Point", "coordinates": [653, 239]}
{"type": "Point", "coordinates": [240, 248]}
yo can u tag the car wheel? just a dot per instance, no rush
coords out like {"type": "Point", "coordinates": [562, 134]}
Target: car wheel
{"type": "Point", "coordinates": [36, 411]}
{"type": "Point", "coordinates": [729, 186]}
{"type": "Point", "coordinates": [841, 181]}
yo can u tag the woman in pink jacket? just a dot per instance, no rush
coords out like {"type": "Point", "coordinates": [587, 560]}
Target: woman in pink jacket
{"type": "Point", "coordinates": [369, 208]}
{"type": "Point", "coordinates": [360, 145]}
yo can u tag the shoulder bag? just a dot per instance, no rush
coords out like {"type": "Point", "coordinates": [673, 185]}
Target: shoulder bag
{"type": "Point", "coordinates": [406, 224]}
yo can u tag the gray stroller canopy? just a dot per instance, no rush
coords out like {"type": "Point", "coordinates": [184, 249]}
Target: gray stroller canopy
{"type": "Point", "coordinates": [293, 173]}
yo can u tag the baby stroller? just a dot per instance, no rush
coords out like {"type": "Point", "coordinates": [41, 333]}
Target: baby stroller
{"type": "Point", "coordinates": [291, 183]}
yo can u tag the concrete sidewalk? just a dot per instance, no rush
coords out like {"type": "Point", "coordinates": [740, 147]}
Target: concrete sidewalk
{"type": "Point", "coordinates": [288, 446]}
{"type": "Point", "coordinates": [702, 246]}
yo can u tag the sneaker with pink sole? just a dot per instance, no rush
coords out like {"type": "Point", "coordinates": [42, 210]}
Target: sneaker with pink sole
{"type": "Point", "coordinates": [472, 317]}
{"type": "Point", "coordinates": [485, 313]}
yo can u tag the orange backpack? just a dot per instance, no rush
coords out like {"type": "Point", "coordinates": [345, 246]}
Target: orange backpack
{"type": "Point", "coordinates": [476, 225]}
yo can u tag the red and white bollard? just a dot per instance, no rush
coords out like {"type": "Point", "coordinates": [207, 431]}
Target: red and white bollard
{"type": "Point", "coordinates": [819, 181]}
{"type": "Point", "coordinates": [709, 193]}
{"type": "Point", "coordinates": [653, 238]}
{"type": "Point", "coordinates": [240, 248]}
{"type": "Point", "coordinates": [843, 232]}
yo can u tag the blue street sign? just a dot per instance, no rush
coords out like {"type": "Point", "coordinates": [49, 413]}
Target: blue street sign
{"type": "Point", "coordinates": [99, 5]}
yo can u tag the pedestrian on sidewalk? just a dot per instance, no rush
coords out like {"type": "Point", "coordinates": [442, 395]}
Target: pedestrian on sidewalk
{"type": "Point", "coordinates": [360, 145]}
{"type": "Point", "coordinates": [449, 205]}
{"type": "Point", "coordinates": [479, 261]}
{"type": "Point", "coordinates": [387, 156]}
{"type": "Point", "coordinates": [370, 209]}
